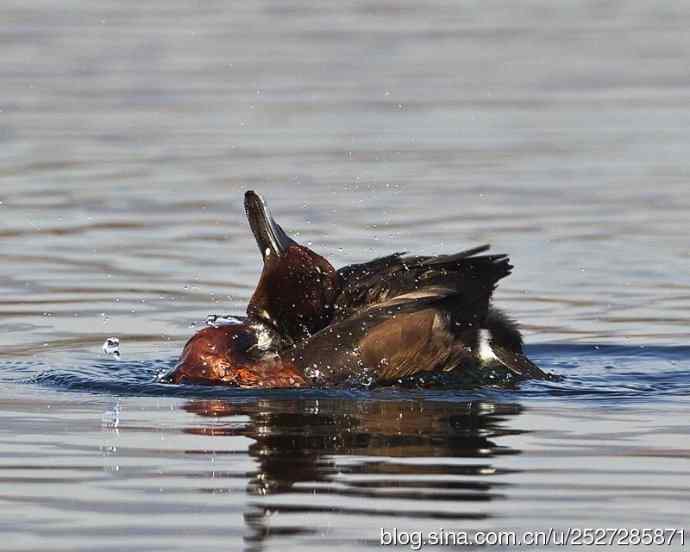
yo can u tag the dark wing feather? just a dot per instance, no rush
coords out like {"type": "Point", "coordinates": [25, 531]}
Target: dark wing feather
{"type": "Point", "coordinates": [504, 330]}
{"type": "Point", "coordinates": [465, 273]}
{"type": "Point", "coordinates": [518, 363]}
{"type": "Point", "coordinates": [394, 339]}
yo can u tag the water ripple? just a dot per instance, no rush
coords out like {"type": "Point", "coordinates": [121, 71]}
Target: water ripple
{"type": "Point", "coordinates": [591, 372]}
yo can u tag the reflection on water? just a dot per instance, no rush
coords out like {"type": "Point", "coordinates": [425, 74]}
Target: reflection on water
{"type": "Point", "coordinates": [292, 441]}
{"type": "Point", "coordinates": [274, 472]}
{"type": "Point", "coordinates": [340, 448]}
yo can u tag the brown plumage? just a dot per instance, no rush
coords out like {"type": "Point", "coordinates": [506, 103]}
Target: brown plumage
{"type": "Point", "coordinates": [297, 287]}
{"type": "Point", "coordinates": [230, 355]}
{"type": "Point", "coordinates": [383, 320]}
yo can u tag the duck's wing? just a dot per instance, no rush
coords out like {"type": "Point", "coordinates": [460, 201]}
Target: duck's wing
{"type": "Point", "coordinates": [385, 278]}
{"type": "Point", "coordinates": [395, 339]}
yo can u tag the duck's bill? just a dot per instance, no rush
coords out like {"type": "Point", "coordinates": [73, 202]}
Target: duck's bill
{"type": "Point", "coordinates": [270, 237]}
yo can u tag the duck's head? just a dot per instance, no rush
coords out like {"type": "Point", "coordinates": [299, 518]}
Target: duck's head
{"type": "Point", "coordinates": [238, 355]}
{"type": "Point", "coordinates": [297, 288]}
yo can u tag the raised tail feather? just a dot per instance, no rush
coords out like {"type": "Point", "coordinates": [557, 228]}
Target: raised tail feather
{"type": "Point", "coordinates": [519, 364]}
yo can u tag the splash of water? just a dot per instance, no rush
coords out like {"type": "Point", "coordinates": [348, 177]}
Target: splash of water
{"type": "Point", "coordinates": [111, 347]}
{"type": "Point", "coordinates": [216, 320]}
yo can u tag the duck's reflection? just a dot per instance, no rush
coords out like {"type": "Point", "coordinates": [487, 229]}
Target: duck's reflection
{"type": "Point", "coordinates": [401, 451]}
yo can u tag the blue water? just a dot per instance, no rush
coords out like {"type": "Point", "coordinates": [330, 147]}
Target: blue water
{"type": "Point", "coordinates": [606, 374]}
{"type": "Point", "coordinates": [95, 443]}
{"type": "Point", "coordinates": [141, 465]}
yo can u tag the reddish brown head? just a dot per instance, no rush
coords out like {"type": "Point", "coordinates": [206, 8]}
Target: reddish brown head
{"type": "Point", "coordinates": [297, 288]}
{"type": "Point", "coordinates": [232, 355]}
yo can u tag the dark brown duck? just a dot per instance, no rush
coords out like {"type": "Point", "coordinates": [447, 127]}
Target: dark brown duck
{"type": "Point", "coordinates": [393, 317]}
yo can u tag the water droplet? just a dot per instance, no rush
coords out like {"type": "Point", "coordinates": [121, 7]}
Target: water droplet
{"type": "Point", "coordinates": [112, 347]}
{"type": "Point", "coordinates": [111, 418]}
{"type": "Point", "coordinates": [216, 320]}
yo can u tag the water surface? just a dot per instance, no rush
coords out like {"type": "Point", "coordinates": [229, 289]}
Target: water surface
{"type": "Point", "coordinates": [560, 134]}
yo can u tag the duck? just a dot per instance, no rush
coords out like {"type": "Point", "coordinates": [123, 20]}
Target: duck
{"type": "Point", "coordinates": [394, 317]}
